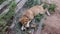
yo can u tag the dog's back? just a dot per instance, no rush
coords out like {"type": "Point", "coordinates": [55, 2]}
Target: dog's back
{"type": "Point", "coordinates": [37, 9]}
{"type": "Point", "coordinates": [30, 13]}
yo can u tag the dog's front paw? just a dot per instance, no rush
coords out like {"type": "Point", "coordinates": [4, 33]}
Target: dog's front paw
{"type": "Point", "coordinates": [23, 28]}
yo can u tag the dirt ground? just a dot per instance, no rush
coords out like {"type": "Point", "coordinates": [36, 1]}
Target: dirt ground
{"type": "Point", "coordinates": [52, 25]}
{"type": "Point", "coordinates": [53, 22]}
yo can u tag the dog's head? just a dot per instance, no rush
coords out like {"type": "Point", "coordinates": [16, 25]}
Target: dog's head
{"type": "Point", "coordinates": [24, 20]}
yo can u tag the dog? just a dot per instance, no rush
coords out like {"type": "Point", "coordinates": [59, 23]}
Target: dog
{"type": "Point", "coordinates": [29, 15]}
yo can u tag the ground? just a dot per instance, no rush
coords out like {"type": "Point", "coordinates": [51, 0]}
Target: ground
{"type": "Point", "coordinates": [52, 25]}
{"type": "Point", "coordinates": [53, 22]}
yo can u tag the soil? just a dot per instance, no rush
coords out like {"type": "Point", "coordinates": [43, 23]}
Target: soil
{"type": "Point", "coordinates": [52, 25]}
{"type": "Point", "coordinates": [53, 22]}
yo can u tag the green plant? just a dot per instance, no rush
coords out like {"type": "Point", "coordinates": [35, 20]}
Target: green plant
{"type": "Point", "coordinates": [2, 22]}
{"type": "Point", "coordinates": [38, 17]}
{"type": "Point", "coordinates": [31, 3]}
{"type": "Point", "coordinates": [5, 19]}
{"type": "Point", "coordinates": [11, 11]}
{"type": "Point", "coordinates": [52, 7]}
{"type": "Point", "coordinates": [1, 1]}
{"type": "Point", "coordinates": [45, 6]}
{"type": "Point", "coordinates": [13, 5]}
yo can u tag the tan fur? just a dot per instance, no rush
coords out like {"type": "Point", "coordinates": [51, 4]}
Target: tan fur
{"type": "Point", "coordinates": [24, 20]}
{"type": "Point", "coordinates": [30, 13]}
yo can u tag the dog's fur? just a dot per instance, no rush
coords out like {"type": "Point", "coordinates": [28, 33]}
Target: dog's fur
{"type": "Point", "coordinates": [30, 13]}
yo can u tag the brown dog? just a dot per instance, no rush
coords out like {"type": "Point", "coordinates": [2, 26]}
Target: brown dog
{"type": "Point", "coordinates": [30, 13]}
